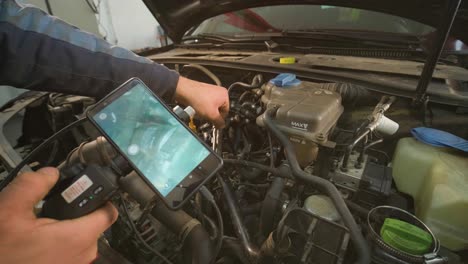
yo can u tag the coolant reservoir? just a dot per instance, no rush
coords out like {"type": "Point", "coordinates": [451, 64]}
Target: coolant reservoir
{"type": "Point", "coordinates": [437, 179]}
{"type": "Point", "coordinates": [307, 114]}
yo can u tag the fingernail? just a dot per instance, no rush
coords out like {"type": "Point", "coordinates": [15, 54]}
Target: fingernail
{"type": "Point", "coordinates": [50, 171]}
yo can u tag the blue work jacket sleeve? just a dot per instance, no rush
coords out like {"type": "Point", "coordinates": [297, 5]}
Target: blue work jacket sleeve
{"type": "Point", "coordinates": [42, 52]}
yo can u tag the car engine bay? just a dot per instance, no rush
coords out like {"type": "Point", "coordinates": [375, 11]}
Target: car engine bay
{"type": "Point", "coordinates": [312, 171]}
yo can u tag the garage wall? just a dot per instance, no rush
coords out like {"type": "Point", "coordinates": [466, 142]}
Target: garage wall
{"type": "Point", "coordinates": [134, 26]}
{"type": "Point", "coordinates": [126, 23]}
{"type": "Point", "coordinates": [75, 12]}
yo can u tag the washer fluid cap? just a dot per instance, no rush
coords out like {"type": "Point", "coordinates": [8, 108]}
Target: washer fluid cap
{"type": "Point", "coordinates": [439, 138]}
{"type": "Point", "coordinates": [405, 237]}
{"type": "Point", "coordinates": [285, 80]}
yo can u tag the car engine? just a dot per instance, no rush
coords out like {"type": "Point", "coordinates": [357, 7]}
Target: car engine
{"type": "Point", "coordinates": [307, 175]}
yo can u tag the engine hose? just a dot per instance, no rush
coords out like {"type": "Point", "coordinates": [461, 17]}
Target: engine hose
{"type": "Point", "coordinates": [197, 247]}
{"type": "Point", "coordinates": [271, 206]}
{"type": "Point", "coordinates": [250, 249]}
{"type": "Point", "coordinates": [250, 174]}
{"type": "Point", "coordinates": [259, 166]}
{"type": "Point", "coordinates": [98, 151]}
{"type": "Point", "coordinates": [325, 186]}
{"type": "Point", "coordinates": [351, 94]}
{"type": "Point", "coordinates": [232, 244]}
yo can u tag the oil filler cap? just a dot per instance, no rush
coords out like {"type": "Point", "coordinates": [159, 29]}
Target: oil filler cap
{"type": "Point", "coordinates": [405, 237]}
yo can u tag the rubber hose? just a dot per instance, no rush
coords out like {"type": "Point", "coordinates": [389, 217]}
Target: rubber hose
{"type": "Point", "coordinates": [251, 173]}
{"type": "Point", "coordinates": [197, 246]}
{"type": "Point", "coordinates": [271, 206]}
{"type": "Point", "coordinates": [250, 249]}
{"type": "Point", "coordinates": [235, 247]}
{"type": "Point", "coordinates": [325, 186]}
{"type": "Point", "coordinates": [351, 94]}
{"type": "Point", "coordinates": [259, 166]}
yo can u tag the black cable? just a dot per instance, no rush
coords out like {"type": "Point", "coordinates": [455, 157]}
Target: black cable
{"type": "Point", "coordinates": [49, 7]}
{"type": "Point", "coordinates": [38, 149]}
{"type": "Point", "coordinates": [209, 196]}
{"type": "Point", "coordinates": [325, 186]}
{"type": "Point", "coordinates": [272, 159]}
{"type": "Point", "coordinates": [212, 225]}
{"type": "Point", "coordinates": [137, 233]}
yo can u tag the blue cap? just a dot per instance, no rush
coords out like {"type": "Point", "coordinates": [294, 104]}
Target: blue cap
{"type": "Point", "coordinates": [439, 138]}
{"type": "Point", "coordinates": [285, 80]}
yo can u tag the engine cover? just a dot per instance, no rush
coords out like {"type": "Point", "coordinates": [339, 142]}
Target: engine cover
{"type": "Point", "coordinates": [306, 111]}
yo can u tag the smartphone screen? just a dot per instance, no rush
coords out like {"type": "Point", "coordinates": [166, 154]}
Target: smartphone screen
{"type": "Point", "coordinates": [164, 151]}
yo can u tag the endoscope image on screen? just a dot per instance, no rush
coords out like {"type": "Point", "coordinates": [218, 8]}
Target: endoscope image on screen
{"type": "Point", "coordinates": [155, 142]}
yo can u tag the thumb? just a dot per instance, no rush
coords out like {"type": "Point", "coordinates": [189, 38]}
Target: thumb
{"type": "Point", "coordinates": [87, 229]}
{"type": "Point", "coordinates": [24, 192]}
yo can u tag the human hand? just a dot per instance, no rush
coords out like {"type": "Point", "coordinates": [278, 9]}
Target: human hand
{"type": "Point", "coordinates": [209, 101]}
{"type": "Point", "coordinates": [27, 239]}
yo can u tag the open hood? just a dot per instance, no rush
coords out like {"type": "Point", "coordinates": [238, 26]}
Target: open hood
{"type": "Point", "coordinates": [178, 16]}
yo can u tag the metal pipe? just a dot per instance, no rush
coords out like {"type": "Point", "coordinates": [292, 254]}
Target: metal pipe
{"type": "Point", "coordinates": [250, 249]}
{"type": "Point", "coordinates": [350, 147]}
{"type": "Point", "coordinates": [442, 33]}
{"type": "Point", "coordinates": [325, 186]}
{"type": "Point", "coordinates": [372, 122]}
{"type": "Point", "coordinates": [367, 146]}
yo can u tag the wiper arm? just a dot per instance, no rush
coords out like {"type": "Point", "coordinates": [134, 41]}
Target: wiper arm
{"type": "Point", "coordinates": [344, 38]}
{"type": "Point", "coordinates": [209, 37]}
{"type": "Point", "coordinates": [375, 39]}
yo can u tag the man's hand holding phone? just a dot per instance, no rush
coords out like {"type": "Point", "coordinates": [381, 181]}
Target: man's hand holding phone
{"type": "Point", "coordinates": [166, 153]}
{"type": "Point", "coordinates": [28, 239]}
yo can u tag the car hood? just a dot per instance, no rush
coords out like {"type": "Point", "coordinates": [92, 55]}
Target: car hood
{"type": "Point", "coordinates": [176, 17]}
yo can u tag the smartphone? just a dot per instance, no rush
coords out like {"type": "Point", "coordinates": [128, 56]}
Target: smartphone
{"type": "Point", "coordinates": [169, 157]}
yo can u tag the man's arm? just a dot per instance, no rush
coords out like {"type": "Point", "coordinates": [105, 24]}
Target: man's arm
{"type": "Point", "coordinates": [41, 52]}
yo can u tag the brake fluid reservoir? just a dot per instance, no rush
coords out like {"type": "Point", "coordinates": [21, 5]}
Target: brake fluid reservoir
{"type": "Point", "coordinates": [437, 179]}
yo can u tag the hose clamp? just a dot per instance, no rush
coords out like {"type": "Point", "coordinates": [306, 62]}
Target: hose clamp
{"type": "Point", "coordinates": [187, 228]}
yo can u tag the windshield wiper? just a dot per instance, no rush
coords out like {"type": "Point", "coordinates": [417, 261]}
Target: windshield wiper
{"type": "Point", "coordinates": [348, 38]}
{"type": "Point", "coordinates": [217, 41]}
{"type": "Point", "coordinates": [206, 37]}
{"type": "Point", "coordinates": [316, 37]}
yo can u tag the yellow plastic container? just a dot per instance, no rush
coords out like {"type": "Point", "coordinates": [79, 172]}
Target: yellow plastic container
{"type": "Point", "coordinates": [437, 179]}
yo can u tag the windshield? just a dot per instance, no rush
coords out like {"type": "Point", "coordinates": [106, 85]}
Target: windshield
{"type": "Point", "coordinates": [306, 18]}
